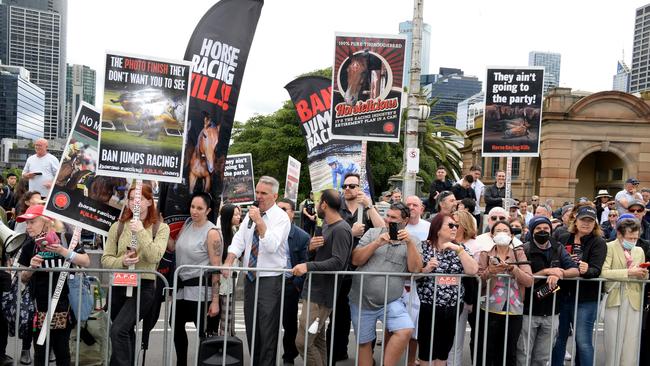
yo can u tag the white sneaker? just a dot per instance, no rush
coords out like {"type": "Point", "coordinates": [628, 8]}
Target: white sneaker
{"type": "Point", "coordinates": [567, 356]}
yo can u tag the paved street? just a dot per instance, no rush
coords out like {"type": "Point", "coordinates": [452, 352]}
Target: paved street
{"type": "Point", "coordinates": [154, 355]}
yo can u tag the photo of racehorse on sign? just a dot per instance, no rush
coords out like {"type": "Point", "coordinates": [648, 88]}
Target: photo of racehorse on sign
{"type": "Point", "coordinates": [79, 196]}
{"type": "Point", "coordinates": [367, 87]}
{"type": "Point", "coordinates": [144, 116]}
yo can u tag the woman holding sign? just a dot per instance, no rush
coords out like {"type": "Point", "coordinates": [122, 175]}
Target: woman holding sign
{"type": "Point", "coordinates": [152, 236]}
{"type": "Point", "coordinates": [198, 243]}
{"type": "Point", "coordinates": [47, 249]}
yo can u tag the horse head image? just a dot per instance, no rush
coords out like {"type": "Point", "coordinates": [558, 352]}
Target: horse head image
{"type": "Point", "coordinates": [357, 72]}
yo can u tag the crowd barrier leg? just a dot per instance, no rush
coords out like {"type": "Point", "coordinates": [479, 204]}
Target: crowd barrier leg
{"type": "Point", "coordinates": [333, 323]}
{"type": "Point", "coordinates": [357, 331]}
{"type": "Point", "coordinates": [278, 353]}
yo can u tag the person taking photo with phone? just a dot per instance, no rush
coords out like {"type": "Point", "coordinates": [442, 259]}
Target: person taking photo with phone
{"type": "Point", "coordinates": [384, 250]}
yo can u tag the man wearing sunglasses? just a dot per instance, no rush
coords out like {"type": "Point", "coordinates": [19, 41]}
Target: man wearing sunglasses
{"type": "Point", "coordinates": [627, 195]}
{"type": "Point", "coordinates": [637, 208]}
{"type": "Point", "coordinates": [353, 199]}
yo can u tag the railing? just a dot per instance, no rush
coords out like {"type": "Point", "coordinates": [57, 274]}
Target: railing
{"type": "Point", "coordinates": [477, 317]}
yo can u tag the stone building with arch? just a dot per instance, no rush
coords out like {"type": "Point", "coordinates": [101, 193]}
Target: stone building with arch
{"type": "Point", "coordinates": [589, 142]}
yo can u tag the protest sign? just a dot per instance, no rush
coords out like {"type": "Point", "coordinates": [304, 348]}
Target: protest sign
{"type": "Point", "coordinates": [143, 118]}
{"type": "Point", "coordinates": [238, 180]}
{"type": "Point", "coordinates": [367, 87]}
{"type": "Point", "coordinates": [218, 51]}
{"type": "Point", "coordinates": [78, 196]}
{"type": "Point", "coordinates": [512, 118]}
{"type": "Point", "coordinates": [329, 160]}
{"type": "Point", "coordinates": [293, 178]}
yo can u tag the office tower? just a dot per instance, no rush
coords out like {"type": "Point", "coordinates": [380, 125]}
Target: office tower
{"type": "Point", "coordinates": [551, 62]}
{"type": "Point", "coordinates": [621, 80]}
{"type": "Point", "coordinates": [407, 28]}
{"type": "Point", "coordinates": [22, 104]}
{"type": "Point", "coordinates": [80, 86]}
{"type": "Point", "coordinates": [36, 40]}
{"type": "Point", "coordinates": [449, 88]}
{"type": "Point", "coordinates": [468, 109]}
{"type": "Point", "coordinates": [640, 75]}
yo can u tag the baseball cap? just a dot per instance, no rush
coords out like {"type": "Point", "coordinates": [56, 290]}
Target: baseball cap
{"type": "Point", "coordinates": [586, 211]}
{"type": "Point", "coordinates": [635, 203]}
{"type": "Point", "coordinates": [566, 208]}
{"type": "Point", "coordinates": [32, 213]}
{"type": "Point", "coordinates": [632, 180]}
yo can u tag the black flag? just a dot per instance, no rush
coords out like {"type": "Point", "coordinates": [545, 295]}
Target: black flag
{"type": "Point", "coordinates": [218, 50]}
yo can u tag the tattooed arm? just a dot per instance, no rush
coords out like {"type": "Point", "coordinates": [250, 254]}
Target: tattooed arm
{"type": "Point", "coordinates": [215, 249]}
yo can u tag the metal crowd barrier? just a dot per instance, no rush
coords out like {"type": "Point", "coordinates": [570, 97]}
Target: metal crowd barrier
{"type": "Point", "coordinates": [411, 278]}
{"type": "Point", "coordinates": [106, 357]}
{"type": "Point", "coordinates": [167, 357]}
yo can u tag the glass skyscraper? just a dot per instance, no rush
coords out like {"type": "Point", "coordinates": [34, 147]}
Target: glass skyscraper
{"type": "Point", "coordinates": [80, 86]}
{"type": "Point", "coordinates": [621, 80]}
{"type": "Point", "coordinates": [22, 104]}
{"type": "Point", "coordinates": [35, 38]}
{"type": "Point", "coordinates": [449, 88]}
{"type": "Point", "coordinates": [551, 62]}
{"type": "Point", "coordinates": [640, 75]}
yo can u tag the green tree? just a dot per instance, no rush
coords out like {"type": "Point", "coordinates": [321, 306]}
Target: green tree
{"type": "Point", "coordinates": [437, 148]}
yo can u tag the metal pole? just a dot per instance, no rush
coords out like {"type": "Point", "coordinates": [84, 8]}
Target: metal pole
{"type": "Point", "coordinates": [506, 201]}
{"type": "Point", "coordinates": [411, 138]}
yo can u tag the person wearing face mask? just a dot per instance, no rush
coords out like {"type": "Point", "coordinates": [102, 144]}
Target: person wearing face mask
{"type": "Point", "coordinates": [504, 297]}
{"type": "Point", "coordinates": [518, 226]}
{"type": "Point", "coordinates": [547, 258]}
{"type": "Point", "coordinates": [585, 244]}
{"type": "Point", "coordinates": [485, 241]}
{"type": "Point", "coordinates": [625, 298]}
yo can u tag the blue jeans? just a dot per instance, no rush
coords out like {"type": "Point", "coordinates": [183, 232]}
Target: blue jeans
{"type": "Point", "coordinates": [582, 330]}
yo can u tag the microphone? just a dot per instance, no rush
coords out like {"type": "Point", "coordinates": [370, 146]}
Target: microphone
{"type": "Point", "coordinates": [256, 203]}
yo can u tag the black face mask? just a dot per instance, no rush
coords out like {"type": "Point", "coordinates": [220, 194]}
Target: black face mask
{"type": "Point", "coordinates": [541, 237]}
{"type": "Point", "coordinates": [516, 230]}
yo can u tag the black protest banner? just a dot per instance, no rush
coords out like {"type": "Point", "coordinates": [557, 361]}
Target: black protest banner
{"type": "Point", "coordinates": [218, 51]}
{"type": "Point", "coordinates": [238, 180]}
{"type": "Point", "coordinates": [512, 118]}
{"type": "Point", "coordinates": [367, 87]}
{"type": "Point", "coordinates": [329, 160]}
{"type": "Point", "coordinates": [78, 196]}
{"type": "Point", "coordinates": [143, 118]}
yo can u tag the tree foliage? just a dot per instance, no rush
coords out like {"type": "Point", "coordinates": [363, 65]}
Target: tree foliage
{"type": "Point", "coordinates": [272, 138]}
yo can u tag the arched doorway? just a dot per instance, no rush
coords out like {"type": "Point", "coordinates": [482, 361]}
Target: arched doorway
{"type": "Point", "coordinates": [600, 170]}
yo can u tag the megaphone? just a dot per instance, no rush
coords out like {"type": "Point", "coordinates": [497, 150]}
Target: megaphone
{"type": "Point", "coordinates": [12, 240]}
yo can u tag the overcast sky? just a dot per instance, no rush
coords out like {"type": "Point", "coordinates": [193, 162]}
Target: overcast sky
{"type": "Point", "coordinates": [297, 36]}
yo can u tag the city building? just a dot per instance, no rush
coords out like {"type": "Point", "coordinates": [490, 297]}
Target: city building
{"type": "Point", "coordinates": [551, 62]}
{"type": "Point", "coordinates": [14, 152]}
{"type": "Point", "coordinates": [34, 37]}
{"type": "Point", "coordinates": [425, 50]}
{"type": "Point", "coordinates": [621, 80]}
{"type": "Point", "coordinates": [449, 88]}
{"type": "Point", "coordinates": [80, 86]}
{"type": "Point", "coordinates": [640, 74]}
{"type": "Point", "coordinates": [589, 142]}
{"type": "Point", "coordinates": [468, 110]}
{"type": "Point", "coordinates": [22, 104]}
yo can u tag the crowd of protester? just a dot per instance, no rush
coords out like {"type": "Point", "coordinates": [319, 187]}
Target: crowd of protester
{"type": "Point", "coordinates": [508, 270]}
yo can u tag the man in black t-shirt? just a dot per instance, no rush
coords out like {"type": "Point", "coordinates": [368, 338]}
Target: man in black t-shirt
{"type": "Point", "coordinates": [332, 254]}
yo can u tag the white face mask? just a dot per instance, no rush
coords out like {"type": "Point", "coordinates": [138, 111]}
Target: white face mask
{"type": "Point", "coordinates": [502, 239]}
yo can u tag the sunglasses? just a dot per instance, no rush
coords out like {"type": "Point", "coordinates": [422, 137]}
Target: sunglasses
{"type": "Point", "coordinates": [638, 210]}
{"type": "Point", "coordinates": [613, 215]}
{"type": "Point", "coordinates": [451, 225]}
{"type": "Point", "coordinates": [351, 186]}
{"type": "Point", "coordinates": [495, 218]}
{"type": "Point", "coordinates": [285, 209]}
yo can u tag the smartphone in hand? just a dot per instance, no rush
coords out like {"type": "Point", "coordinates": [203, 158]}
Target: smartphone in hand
{"type": "Point", "coordinates": [393, 228]}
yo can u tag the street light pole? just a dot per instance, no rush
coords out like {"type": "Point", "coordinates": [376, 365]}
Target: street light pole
{"type": "Point", "coordinates": [411, 136]}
